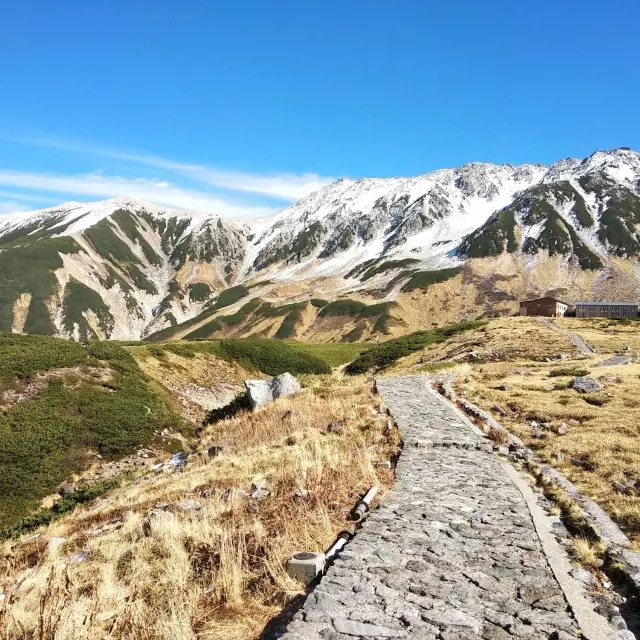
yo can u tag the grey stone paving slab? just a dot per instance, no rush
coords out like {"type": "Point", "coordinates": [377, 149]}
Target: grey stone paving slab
{"type": "Point", "coordinates": [452, 552]}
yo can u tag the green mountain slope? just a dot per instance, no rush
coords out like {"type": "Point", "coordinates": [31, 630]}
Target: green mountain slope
{"type": "Point", "coordinates": [546, 217]}
{"type": "Point", "coordinates": [124, 269]}
{"type": "Point", "coordinates": [114, 276]}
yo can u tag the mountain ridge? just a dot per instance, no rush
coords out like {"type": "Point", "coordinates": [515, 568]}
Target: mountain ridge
{"type": "Point", "coordinates": [124, 268]}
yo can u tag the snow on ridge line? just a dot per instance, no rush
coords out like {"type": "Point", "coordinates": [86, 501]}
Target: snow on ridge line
{"type": "Point", "coordinates": [69, 211]}
{"type": "Point", "coordinates": [82, 215]}
{"type": "Point", "coordinates": [622, 164]}
{"type": "Point", "coordinates": [91, 213]}
{"type": "Point", "coordinates": [500, 183]}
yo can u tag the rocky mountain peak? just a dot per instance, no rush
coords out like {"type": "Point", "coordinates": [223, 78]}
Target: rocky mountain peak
{"type": "Point", "coordinates": [123, 268]}
{"type": "Point", "coordinates": [622, 164]}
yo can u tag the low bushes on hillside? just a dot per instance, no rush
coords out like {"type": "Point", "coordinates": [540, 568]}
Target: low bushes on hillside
{"type": "Point", "coordinates": [225, 299]}
{"type": "Point", "coordinates": [345, 307]}
{"type": "Point", "coordinates": [379, 314]}
{"type": "Point", "coordinates": [288, 327]}
{"type": "Point", "coordinates": [387, 353]}
{"type": "Point", "coordinates": [424, 279]}
{"type": "Point", "coordinates": [272, 357]}
{"type": "Point", "coordinates": [30, 270]}
{"type": "Point", "coordinates": [199, 292]}
{"type": "Point", "coordinates": [79, 299]}
{"type": "Point", "coordinates": [334, 354]}
{"type": "Point", "coordinates": [24, 356]}
{"type": "Point", "coordinates": [65, 505]}
{"type": "Point", "coordinates": [267, 355]}
{"type": "Point", "coordinates": [205, 331]}
{"type": "Point", "coordinates": [388, 265]}
{"type": "Point", "coordinates": [45, 438]}
{"type": "Point", "coordinates": [576, 372]}
{"type": "Point", "coordinates": [356, 333]}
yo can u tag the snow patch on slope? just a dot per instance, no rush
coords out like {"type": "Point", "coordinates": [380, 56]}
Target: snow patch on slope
{"type": "Point", "coordinates": [423, 217]}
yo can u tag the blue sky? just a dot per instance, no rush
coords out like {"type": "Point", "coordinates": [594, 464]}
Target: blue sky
{"type": "Point", "coordinates": [243, 107]}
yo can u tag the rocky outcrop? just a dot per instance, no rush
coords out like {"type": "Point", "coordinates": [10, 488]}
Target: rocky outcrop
{"type": "Point", "coordinates": [261, 392]}
{"type": "Point", "coordinates": [586, 385]}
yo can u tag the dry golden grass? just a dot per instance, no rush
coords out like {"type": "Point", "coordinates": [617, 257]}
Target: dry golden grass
{"type": "Point", "coordinates": [196, 384]}
{"type": "Point", "coordinates": [563, 504]}
{"type": "Point", "coordinates": [604, 427]}
{"type": "Point", "coordinates": [219, 572]}
{"type": "Point", "coordinates": [603, 432]}
{"type": "Point", "coordinates": [587, 552]}
{"type": "Point", "coordinates": [203, 369]}
{"type": "Point", "coordinates": [605, 336]}
{"type": "Point", "coordinates": [500, 340]}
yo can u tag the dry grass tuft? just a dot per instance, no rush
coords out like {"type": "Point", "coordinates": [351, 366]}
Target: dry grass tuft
{"type": "Point", "coordinates": [605, 336]}
{"type": "Point", "coordinates": [565, 506]}
{"type": "Point", "coordinates": [499, 436]}
{"type": "Point", "coordinates": [218, 572]}
{"type": "Point", "coordinates": [587, 552]}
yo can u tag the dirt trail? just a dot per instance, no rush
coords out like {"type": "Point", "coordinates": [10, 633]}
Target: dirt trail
{"type": "Point", "coordinates": [581, 343]}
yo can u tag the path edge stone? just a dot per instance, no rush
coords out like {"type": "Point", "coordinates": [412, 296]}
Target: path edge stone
{"type": "Point", "coordinates": [592, 625]}
{"type": "Point", "coordinates": [621, 563]}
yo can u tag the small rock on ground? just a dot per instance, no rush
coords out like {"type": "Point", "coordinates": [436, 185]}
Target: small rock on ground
{"type": "Point", "coordinates": [189, 505]}
{"type": "Point", "coordinates": [582, 575]}
{"type": "Point", "coordinates": [586, 385]}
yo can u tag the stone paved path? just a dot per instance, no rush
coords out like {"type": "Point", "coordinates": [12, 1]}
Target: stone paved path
{"type": "Point", "coordinates": [452, 553]}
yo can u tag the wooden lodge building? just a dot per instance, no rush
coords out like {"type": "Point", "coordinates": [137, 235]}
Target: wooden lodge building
{"type": "Point", "coordinates": [550, 307]}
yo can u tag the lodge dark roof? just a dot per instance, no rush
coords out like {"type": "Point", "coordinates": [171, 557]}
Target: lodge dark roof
{"type": "Point", "coordinates": [545, 298]}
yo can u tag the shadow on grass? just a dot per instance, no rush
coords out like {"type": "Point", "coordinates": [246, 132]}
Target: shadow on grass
{"type": "Point", "coordinates": [238, 404]}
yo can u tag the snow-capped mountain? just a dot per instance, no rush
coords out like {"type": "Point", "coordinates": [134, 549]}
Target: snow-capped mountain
{"type": "Point", "coordinates": [425, 217]}
{"type": "Point", "coordinates": [124, 268]}
{"type": "Point", "coordinates": [112, 268]}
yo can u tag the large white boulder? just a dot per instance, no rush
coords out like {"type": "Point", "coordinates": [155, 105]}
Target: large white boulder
{"type": "Point", "coordinates": [262, 392]}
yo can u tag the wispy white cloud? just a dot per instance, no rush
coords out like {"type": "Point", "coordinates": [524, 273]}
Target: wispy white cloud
{"type": "Point", "coordinates": [10, 206]}
{"type": "Point", "coordinates": [284, 186]}
{"type": "Point", "coordinates": [15, 202]}
{"type": "Point", "coordinates": [156, 191]}
{"type": "Point", "coordinates": [26, 197]}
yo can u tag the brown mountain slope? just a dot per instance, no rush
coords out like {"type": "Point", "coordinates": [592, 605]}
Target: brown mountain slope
{"type": "Point", "coordinates": [483, 287]}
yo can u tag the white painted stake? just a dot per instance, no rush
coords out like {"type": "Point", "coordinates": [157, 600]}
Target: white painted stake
{"type": "Point", "coordinates": [336, 548]}
{"type": "Point", "coordinates": [365, 504]}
